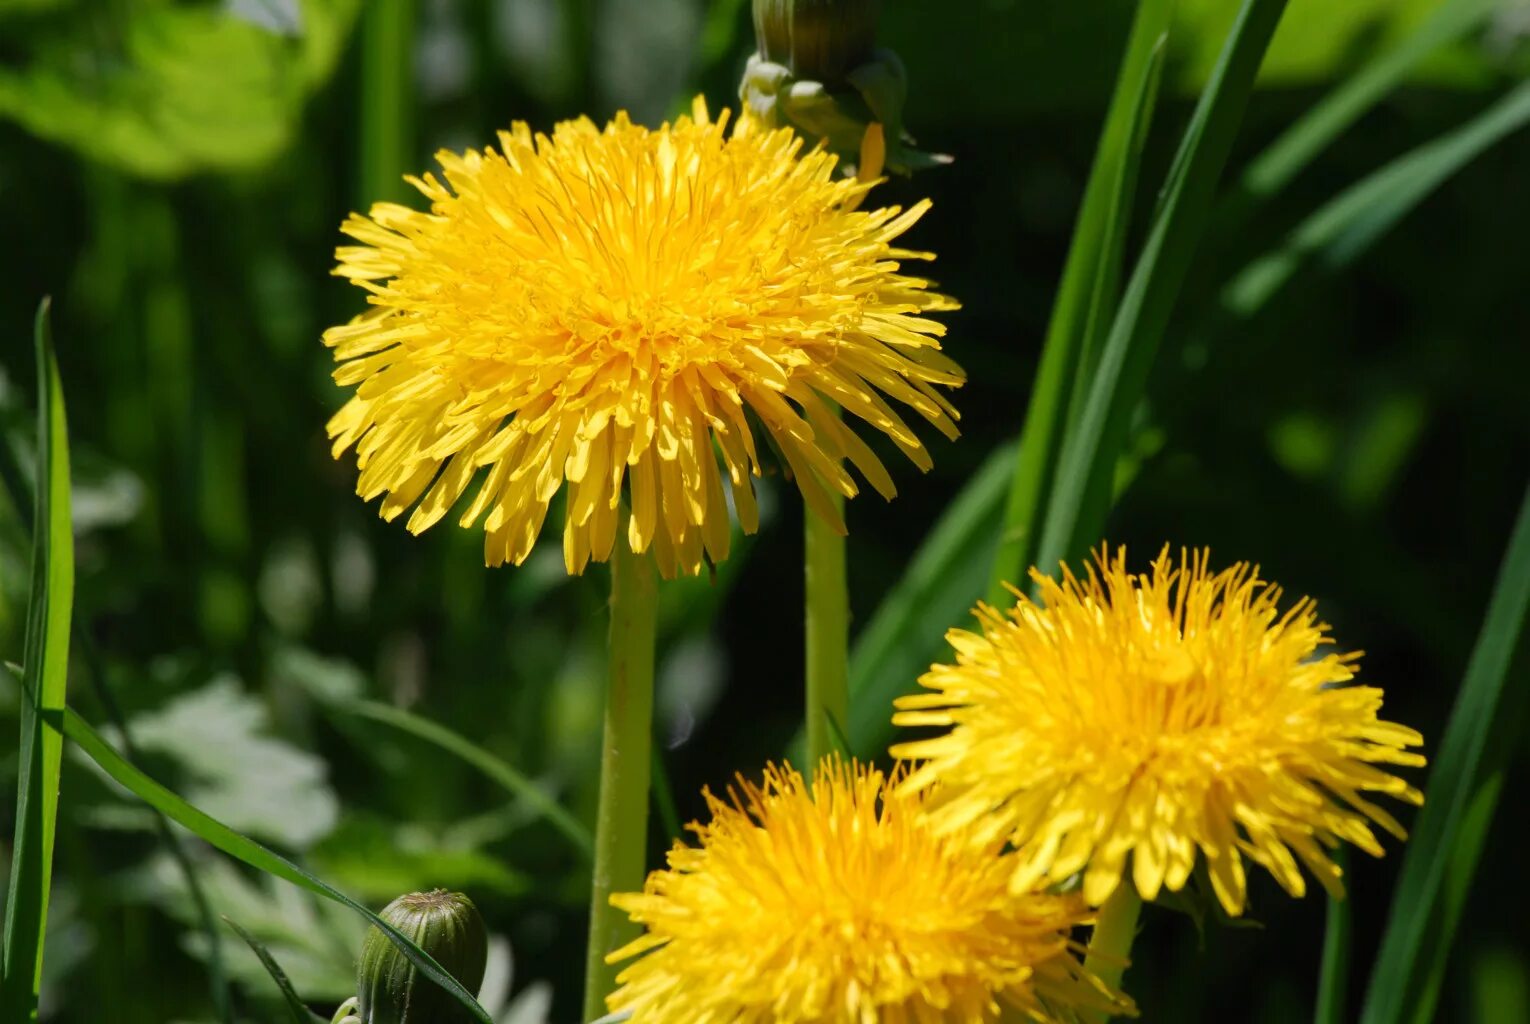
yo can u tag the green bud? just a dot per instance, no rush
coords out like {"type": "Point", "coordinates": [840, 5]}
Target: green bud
{"type": "Point", "coordinates": [822, 40]}
{"type": "Point", "coordinates": [390, 988]}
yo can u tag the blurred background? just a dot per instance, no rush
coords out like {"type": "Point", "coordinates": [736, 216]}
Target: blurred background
{"type": "Point", "coordinates": [174, 174]}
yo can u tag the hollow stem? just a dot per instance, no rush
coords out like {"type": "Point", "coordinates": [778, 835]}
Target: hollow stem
{"type": "Point", "coordinates": [621, 825]}
{"type": "Point", "coordinates": [1110, 946]}
{"type": "Point", "coordinates": [828, 637]}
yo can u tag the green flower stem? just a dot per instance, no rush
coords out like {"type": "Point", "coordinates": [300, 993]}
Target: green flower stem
{"type": "Point", "coordinates": [387, 100]}
{"type": "Point", "coordinates": [828, 637]}
{"type": "Point", "coordinates": [1111, 944]}
{"type": "Point", "coordinates": [621, 825]}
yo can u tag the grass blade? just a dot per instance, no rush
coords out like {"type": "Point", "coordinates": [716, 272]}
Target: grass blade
{"type": "Point", "coordinates": [1349, 224]}
{"type": "Point", "coordinates": [1300, 144]}
{"type": "Point", "coordinates": [241, 847]}
{"type": "Point", "coordinates": [1333, 982]}
{"type": "Point", "coordinates": [1442, 855]}
{"type": "Point", "coordinates": [1081, 495]}
{"type": "Point", "coordinates": [494, 768]}
{"type": "Point", "coordinates": [44, 677]}
{"type": "Point", "coordinates": [297, 1011]}
{"type": "Point", "coordinates": [1087, 292]}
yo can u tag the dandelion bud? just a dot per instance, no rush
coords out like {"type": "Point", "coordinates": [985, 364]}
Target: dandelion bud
{"type": "Point", "coordinates": [821, 40]}
{"type": "Point", "coordinates": [391, 989]}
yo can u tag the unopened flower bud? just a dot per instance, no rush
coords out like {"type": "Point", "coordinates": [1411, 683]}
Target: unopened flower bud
{"type": "Point", "coordinates": [822, 40]}
{"type": "Point", "coordinates": [391, 990]}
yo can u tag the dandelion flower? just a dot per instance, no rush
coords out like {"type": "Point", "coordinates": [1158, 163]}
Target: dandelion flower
{"type": "Point", "coordinates": [619, 311]}
{"type": "Point", "coordinates": [1158, 716]}
{"type": "Point", "coordinates": [835, 904]}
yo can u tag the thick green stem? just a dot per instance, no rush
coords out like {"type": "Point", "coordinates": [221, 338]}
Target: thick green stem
{"type": "Point", "coordinates": [387, 99]}
{"type": "Point", "coordinates": [828, 637]}
{"type": "Point", "coordinates": [621, 826]}
{"type": "Point", "coordinates": [1110, 946]}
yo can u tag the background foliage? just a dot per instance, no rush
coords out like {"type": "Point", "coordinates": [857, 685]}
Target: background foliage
{"type": "Point", "coordinates": [1352, 415]}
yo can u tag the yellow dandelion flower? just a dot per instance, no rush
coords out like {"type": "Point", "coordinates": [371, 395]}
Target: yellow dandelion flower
{"type": "Point", "coordinates": [615, 310]}
{"type": "Point", "coordinates": [834, 904]}
{"type": "Point", "coordinates": [1155, 716]}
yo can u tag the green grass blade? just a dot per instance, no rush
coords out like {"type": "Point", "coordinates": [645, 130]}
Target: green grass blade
{"type": "Point", "coordinates": [1442, 855]}
{"type": "Point", "coordinates": [1349, 224]}
{"type": "Point", "coordinates": [494, 768]}
{"type": "Point", "coordinates": [1087, 293]}
{"type": "Point", "coordinates": [1081, 494]}
{"type": "Point", "coordinates": [1333, 981]}
{"type": "Point", "coordinates": [1300, 144]}
{"type": "Point", "coordinates": [241, 847]}
{"type": "Point", "coordinates": [45, 673]}
{"type": "Point", "coordinates": [297, 1012]}
{"type": "Point", "coordinates": [937, 589]}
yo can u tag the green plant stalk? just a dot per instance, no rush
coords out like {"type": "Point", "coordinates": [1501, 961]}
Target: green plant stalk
{"type": "Point", "coordinates": [1110, 946]}
{"type": "Point", "coordinates": [387, 99]}
{"type": "Point", "coordinates": [1081, 494]}
{"type": "Point", "coordinates": [1333, 981]}
{"type": "Point", "coordinates": [828, 635]}
{"type": "Point", "coordinates": [621, 823]}
{"type": "Point", "coordinates": [1088, 288]}
{"type": "Point", "coordinates": [1450, 831]}
{"type": "Point", "coordinates": [44, 677]}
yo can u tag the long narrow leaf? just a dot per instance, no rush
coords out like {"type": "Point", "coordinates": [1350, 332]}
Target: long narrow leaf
{"type": "Point", "coordinates": [45, 673]}
{"type": "Point", "coordinates": [1296, 148]}
{"type": "Point", "coordinates": [1081, 495]}
{"type": "Point", "coordinates": [1087, 293]}
{"type": "Point", "coordinates": [220, 836]}
{"type": "Point", "coordinates": [494, 768]}
{"type": "Point", "coordinates": [296, 1010]}
{"type": "Point", "coordinates": [1443, 852]}
{"type": "Point", "coordinates": [1348, 225]}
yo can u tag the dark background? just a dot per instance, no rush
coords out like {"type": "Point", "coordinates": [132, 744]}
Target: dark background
{"type": "Point", "coordinates": [174, 175]}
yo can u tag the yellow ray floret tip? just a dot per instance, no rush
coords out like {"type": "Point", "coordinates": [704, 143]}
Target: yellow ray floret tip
{"type": "Point", "coordinates": [613, 315]}
{"type": "Point", "coordinates": [835, 903]}
{"type": "Point", "coordinates": [1123, 726]}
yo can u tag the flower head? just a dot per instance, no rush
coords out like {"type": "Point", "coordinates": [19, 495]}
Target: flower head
{"type": "Point", "coordinates": [1156, 716]}
{"type": "Point", "coordinates": [835, 904]}
{"type": "Point", "coordinates": [616, 311]}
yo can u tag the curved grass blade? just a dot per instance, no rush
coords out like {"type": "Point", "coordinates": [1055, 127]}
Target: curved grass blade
{"type": "Point", "coordinates": [241, 847]}
{"type": "Point", "coordinates": [1288, 155]}
{"type": "Point", "coordinates": [1349, 224]}
{"type": "Point", "coordinates": [1448, 836]}
{"type": "Point", "coordinates": [1081, 495]}
{"type": "Point", "coordinates": [296, 1010]}
{"type": "Point", "coordinates": [1087, 294]}
{"type": "Point", "coordinates": [1333, 981]}
{"type": "Point", "coordinates": [492, 767]}
{"type": "Point", "coordinates": [44, 678]}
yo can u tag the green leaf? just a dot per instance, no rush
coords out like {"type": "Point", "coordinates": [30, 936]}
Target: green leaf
{"type": "Point", "coordinates": [44, 678]}
{"type": "Point", "coordinates": [296, 1011]}
{"type": "Point", "coordinates": [1081, 495]}
{"type": "Point", "coordinates": [1448, 836]}
{"type": "Point", "coordinates": [1300, 144]}
{"type": "Point", "coordinates": [241, 847]}
{"type": "Point", "coordinates": [494, 768]}
{"type": "Point", "coordinates": [943, 578]}
{"type": "Point", "coordinates": [1333, 982]}
{"type": "Point", "coordinates": [1349, 224]}
{"type": "Point", "coordinates": [1087, 293]}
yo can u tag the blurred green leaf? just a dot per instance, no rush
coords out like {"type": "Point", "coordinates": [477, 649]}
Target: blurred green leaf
{"type": "Point", "coordinates": [1081, 496]}
{"type": "Point", "coordinates": [1087, 294]}
{"type": "Point", "coordinates": [1350, 223]}
{"type": "Point", "coordinates": [243, 848]}
{"type": "Point", "coordinates": [44, 679]}
{"type": "Point", "coordinates": [182, 88]}
{"type": "Point", "coordinates": [378, 861]}
{"type": "Point", "coordinates": [1416, 935]}
{"type": "Point", "coordinates": [297, 1012]}
{"type": "Point", "coordinates": [220, 736]}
